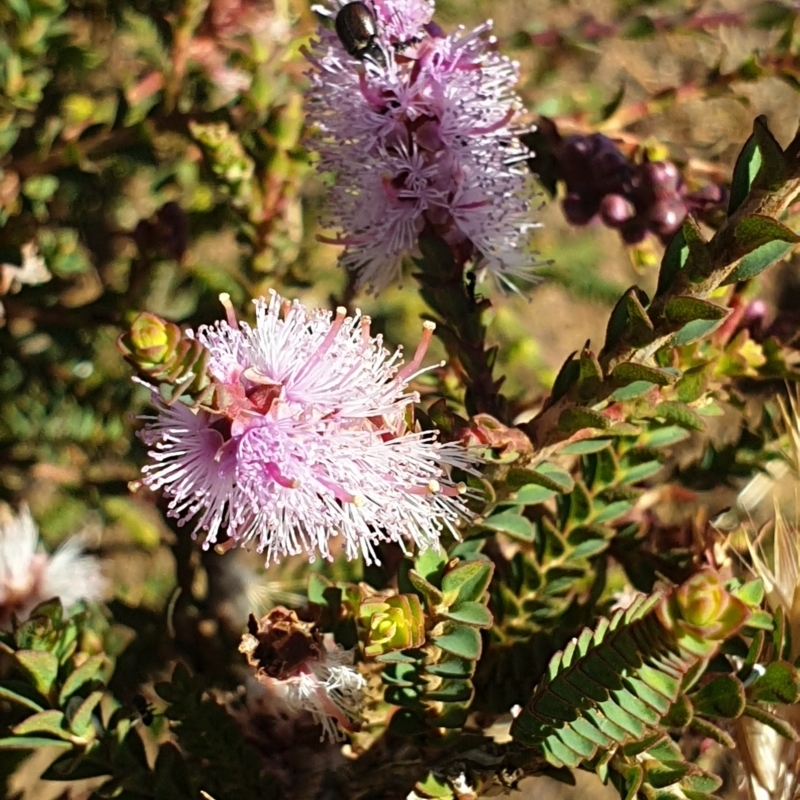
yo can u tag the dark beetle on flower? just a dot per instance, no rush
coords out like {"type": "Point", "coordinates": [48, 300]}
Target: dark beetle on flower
{"type": "Point", "coordinates": [357, 30]}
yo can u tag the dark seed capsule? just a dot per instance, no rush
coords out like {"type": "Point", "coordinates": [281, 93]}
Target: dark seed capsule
{"type": "Point", "coordinates": [667, 215]}
{"type": "Point", "coordinates": [616, 210]}
{"type": "Point", "coordinates": [634, 231]}
{"type": "Point", "coordinates": [357, 30]}
{"type": "Point", "coordinates": [578, 209]}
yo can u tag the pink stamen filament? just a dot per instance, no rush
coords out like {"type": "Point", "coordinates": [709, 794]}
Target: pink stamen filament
{"type": "Point", "coordinates": [413, 366]}
{"type": "Point", "coordinates": [274, 473]}
{"type": "Point", "coordinates": [225, 299]}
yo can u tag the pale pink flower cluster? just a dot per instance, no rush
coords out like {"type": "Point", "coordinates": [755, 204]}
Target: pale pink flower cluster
{"type": "Point", "coordinates": [29, 576]}
{"type": "Point", "coordinates": [311, 439]}
{"type": "Point", "coordinates": [421, 144]}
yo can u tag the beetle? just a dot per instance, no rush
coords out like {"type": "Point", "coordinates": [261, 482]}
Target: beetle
{"type": "Point", "coordinates": [357, 30]}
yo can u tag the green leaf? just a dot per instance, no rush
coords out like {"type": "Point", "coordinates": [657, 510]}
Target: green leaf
{"type": "Point", "coordinates": [32, 743]}
{"type": "Point", "coordinates": [567, 377]}
{"type": "Point", "coordinates": [693, 383]}
{"type": "Point", "coordinates": [40, 666]}
{"type": "Point", "coordinates": [693, 332]}
{"type": "Point", "coordinates": [686, 309]}
{"type": "Point", "coordinates": [631, 391]}
{"type": "Point", "coordinates": [468, 581]}
{"type": "Point", "coordinates": [404, 673]}
{"type": "Point", "coordinates": [699, 256]}
{"type": "Point", "coordinates": [80, 722]}
{"type": "Point", "coordinates": [397, 657]}
{"type": "Point", "coordinates": [701, 782]}
{"type": "Point", "coordinates": [663, 437]}
{"type": "Point", "coordinates": [531, 495]}
{"type": "Point", "coordinates": [750, 593]}
{"type": "Point", "coordinates": [758, 260]}
{"type": "Point", "coordinates": [429, 593]}
{"type": "Point", "coordinates": [635, 748]}
{"type": "Point", "coordinates": [708, 729]}
{"type": "Point", "coordinates": [430, 564]}
{"type": "Point", "coordinates": [588, 549]}
{"type": "Point", "coordinates": [613, 511]}
{"type": "Point", "coordinates": [50, 721]}
{"type": "Point", "coordinates": [778, 684]}
{"type": "Point", "coordinates": [403, 695]}
{"type": "Point", "coordinates": [761, 163]}
{"type": "Point", "coordinates": [83, 674]}
{"type": "Point", "coordinates": [452, 667]}
{"type": "Point", "coordinates": [628, 317]}
{"type": "Point", "coordinates": [471, 613]}
{"type": "Point", "coordinates": [640, 472]}
{"type": "Point", "coordinates": [584, 447]}
{"type": "Point", "coordinates": [516, 478]}
{"type": "Point", "coordinates": [640, 330]}
{"type": "Point", "coordinates": [723, 696]}
{"type": "Point", "coordinates": [747, 166]}
{"type": "Point", "coordinates": [629, 372]}
{"type": "Point", "coordinates": [674, 260]}
{"type": "Point", "coordinates": [317, 586]}
{"type": "Point", "coordinates": [666, 773]}
{"type": "Point", "coordinates": [8, 694]}
{"type": "Point", "coordinates": [512, 524]}
{"type": "Point", "coordinates": [460, 640]}
{"type": "Point", "coordinates": [758, 229]}
{"type": "Point", "coordinates": [552, 477]}
{"type": "Point", "coordinates": [452, 692]}
{"type": "Point", "coordinates": [590, 370]}
{"type": "Point", "coordinates": [769, 719]}
{"type": "Point", "coordinates": [681, 414]}
{"type": "Point", "coordinates": [761, 620]}
{"type": "Point", "coordinates": [578, 418]}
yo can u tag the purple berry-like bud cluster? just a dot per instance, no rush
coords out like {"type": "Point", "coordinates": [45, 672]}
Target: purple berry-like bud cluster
{"type": "Point", "coordinates": [634, 198]}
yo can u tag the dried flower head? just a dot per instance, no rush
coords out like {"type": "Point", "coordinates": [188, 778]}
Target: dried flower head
{"type": "Point", "coordinates": [419, 138]}
{"type": "Point", "coordinates": [304, 671]}
{"type": "Point", "coordinates": [311, 437]}
{"type": "Point", "coordinates": [29, 576]}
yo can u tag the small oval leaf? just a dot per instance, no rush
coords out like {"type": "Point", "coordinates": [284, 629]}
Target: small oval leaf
{"type": "Point", "coordinates": [460, 640]}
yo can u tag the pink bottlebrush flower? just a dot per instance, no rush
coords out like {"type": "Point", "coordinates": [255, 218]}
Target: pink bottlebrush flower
{"type": "Point", "coordinates": [311, 439]}
{"type": "Point", "coordinates": [420, 139]}
{"type": "Point", "coordinates": [29, 576]}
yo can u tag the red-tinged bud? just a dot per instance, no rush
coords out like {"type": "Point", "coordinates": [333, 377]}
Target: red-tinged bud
{"type": "Point", "coordinates": [150, 341]}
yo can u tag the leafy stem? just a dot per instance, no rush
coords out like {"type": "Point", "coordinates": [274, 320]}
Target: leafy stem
{"type": "Point", "coordinates": [766, 182]}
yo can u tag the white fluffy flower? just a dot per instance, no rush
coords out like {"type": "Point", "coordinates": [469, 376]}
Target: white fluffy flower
{"type": "Point", "coordinates": [29, 576]}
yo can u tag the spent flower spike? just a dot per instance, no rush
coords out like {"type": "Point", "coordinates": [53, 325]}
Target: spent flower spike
{"type": "Point", "coordinates": [311, 438]}
{"type": "Point", "coordinates": [421, 143]}
{"type": "Point", "coordinates": [29, 576]}
{"type": "Point", "coordinates": [305, 670]}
